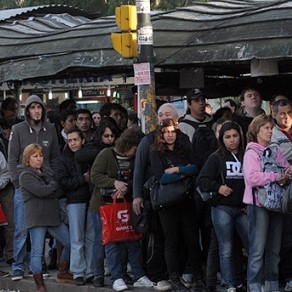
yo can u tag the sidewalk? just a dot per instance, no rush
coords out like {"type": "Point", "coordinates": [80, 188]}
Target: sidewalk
{"type": "Point", "coordinates": [27, 284]}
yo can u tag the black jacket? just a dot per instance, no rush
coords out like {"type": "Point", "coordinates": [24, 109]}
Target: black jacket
{"type": "Point", "coordinates": [71, 178]}
{"type": "Point", "coordinates": [210, 178]}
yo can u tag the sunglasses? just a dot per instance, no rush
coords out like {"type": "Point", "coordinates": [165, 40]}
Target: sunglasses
{"type": "Point", "coordinates": [108, 136]}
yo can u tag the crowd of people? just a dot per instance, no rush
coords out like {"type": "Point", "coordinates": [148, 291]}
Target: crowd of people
{"type": "Point", "coordinates": [58, 170]}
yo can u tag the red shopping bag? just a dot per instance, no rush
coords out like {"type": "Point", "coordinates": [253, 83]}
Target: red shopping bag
{"type": "Point", "coordinates": [117, 222]}
{"type": "Point", "coordinates": [3, 220]}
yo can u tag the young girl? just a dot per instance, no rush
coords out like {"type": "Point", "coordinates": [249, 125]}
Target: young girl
{"type": "Point", "coordinates": [40, 192]}
{"type": "Point", "coordinates": [222, 173]}
{"type": "Point", "coordinates": [74, 180]}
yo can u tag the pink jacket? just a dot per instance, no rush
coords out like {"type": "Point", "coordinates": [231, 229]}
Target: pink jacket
{"type": "Point", "coordinates": [253, 177]}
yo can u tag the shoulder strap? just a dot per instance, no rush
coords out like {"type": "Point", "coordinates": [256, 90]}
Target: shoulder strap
{"type": "Point", "coordinates": [192, 123]}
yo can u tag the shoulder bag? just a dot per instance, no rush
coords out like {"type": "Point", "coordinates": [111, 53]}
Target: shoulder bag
{"type": "Point", "coordinates": [166, 195]}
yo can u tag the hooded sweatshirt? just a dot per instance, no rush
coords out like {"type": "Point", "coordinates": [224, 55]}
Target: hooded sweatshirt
{"type": "Point", "coordinates": [23, 134]}
{"type": "Point", "coordinates": [253, 175]}
{"type": "Point", "coordinates": [189, 129]}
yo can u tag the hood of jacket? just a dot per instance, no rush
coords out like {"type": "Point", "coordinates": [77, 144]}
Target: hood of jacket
{"type": "Point", "coordinates": [29, 101]}
{"type": "Point", "coordinates": [257, 146]}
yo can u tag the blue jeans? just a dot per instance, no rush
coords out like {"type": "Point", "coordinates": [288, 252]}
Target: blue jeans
{"type": "Point", "coordinates": [20, 253]}
{"type": "Point", "coordinates": [115, 262]}
{"type": "Point", "coordinates": [265, 233]}
{"type": "Point", "coordinates": [227, 219]}
{"type": "Point", "coordinates": [81, 240]}
{"type": "Point", "coordinates": [37, 238]}
{"type": "Point", "coordinates": [98, 249]}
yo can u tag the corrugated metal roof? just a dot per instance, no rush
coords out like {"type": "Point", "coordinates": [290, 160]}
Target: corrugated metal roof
{"type": "Point", "coordinates": [8, 14]}
{"type": "Point", "coordinates": [220, 36]}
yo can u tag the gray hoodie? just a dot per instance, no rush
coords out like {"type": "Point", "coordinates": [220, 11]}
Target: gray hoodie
{"type": "Point", "coordinates": [23, 134]}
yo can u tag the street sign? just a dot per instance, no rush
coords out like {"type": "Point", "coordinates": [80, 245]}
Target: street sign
{"type": "Point", "coordinates": [142, 73]}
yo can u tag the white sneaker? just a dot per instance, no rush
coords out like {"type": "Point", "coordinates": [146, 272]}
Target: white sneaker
{"type": "Point", "coordinates": [288, 286]}
{"type": "Point", "coordinates": [232, 289]}
{"type": "Point", "coordinates": [188, 278]}
{"type": "Point", "coordinates": [120, 285]}
{"type": "Point", "coordinates": [143, 282]}
{"type": "Point", "coordinates": [162, 286]}
{"type": "Point", "coordinates": [185, 283]}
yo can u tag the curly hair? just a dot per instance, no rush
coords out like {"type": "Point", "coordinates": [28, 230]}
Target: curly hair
{"type": "Point", "coordinates": [131, 137]}
{"type": "Point", "coordinates": [159, 143]}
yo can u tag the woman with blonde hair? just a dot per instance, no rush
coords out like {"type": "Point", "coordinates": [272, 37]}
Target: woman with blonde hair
{"type": "Point", "coordinates": [41, 214]}
{"type": "Point", "coordinates": [265, 226]}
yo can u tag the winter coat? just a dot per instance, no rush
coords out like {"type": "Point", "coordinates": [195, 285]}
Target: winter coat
{"type": "Point", "coordinates": [71, 178]}
{"type": "Point", "coordinates": [40, 195]}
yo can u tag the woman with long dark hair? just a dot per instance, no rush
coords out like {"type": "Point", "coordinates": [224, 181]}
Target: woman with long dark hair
{"type": "Point", "coordinates": [222, 174]}
{"type": "Point", "coordinates": [171, 160]}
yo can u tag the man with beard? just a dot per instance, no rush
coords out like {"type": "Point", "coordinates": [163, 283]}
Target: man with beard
{"type": "Point", "coordinates": [35, 129]}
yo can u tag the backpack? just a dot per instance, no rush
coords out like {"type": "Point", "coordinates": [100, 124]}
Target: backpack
{"type": "Point", "coordinates": [270, 195]}
{"type": "Point", "coordinates": [204, 141]}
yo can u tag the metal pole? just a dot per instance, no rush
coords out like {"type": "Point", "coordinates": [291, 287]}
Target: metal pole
{"type": "Point", "coordinates": [145, 55]}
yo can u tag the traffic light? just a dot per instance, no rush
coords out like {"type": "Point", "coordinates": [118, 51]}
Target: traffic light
{"type": "Point", "coordinates": [125, 43]}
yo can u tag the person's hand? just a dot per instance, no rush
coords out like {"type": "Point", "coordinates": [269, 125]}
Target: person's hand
{"type": "Point", "coordinates": [137, 205]}
{"type": "Point", "coordinates": [121, 186]}
{"type": "Point", "coordinates": [284, 179]}
{"type": "Point", "coordinates": [171, 170]}
{"type": "Point", "coordinates": [86, 176]}
{"type": "Point", "coordinates": [288, 172]}
{"type": "Point", "coordinates": [225, 191]}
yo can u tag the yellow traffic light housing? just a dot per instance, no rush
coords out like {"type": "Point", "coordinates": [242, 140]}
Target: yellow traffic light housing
{"type": "Point", "coordinates": [125, 43]}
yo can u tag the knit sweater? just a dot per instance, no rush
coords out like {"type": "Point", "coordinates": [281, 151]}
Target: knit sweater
{"type": "Point", "coordinates": [104, 173]}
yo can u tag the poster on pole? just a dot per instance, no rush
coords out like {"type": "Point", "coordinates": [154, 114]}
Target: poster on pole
{"type": "Point", "coordinates": [142, 73]}
{"type": "Point", "coordinates": [143, 6]}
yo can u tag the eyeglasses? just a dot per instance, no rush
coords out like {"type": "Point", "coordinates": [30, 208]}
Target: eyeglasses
{"type": "Point", "coordinates": [108, 136]}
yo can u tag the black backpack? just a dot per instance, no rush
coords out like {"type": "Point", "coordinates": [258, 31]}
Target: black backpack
{"type": "Point", "coordinates": [204, 141]}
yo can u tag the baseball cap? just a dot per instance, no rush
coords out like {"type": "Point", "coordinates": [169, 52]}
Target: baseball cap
{"type": "Point", "coordinates": [194, 93]}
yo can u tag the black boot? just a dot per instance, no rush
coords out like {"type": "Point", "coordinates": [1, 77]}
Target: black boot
{"type": "Point", "coordinates": [176, 284]}
{"type": "Point", "coordinates": [53, 261]}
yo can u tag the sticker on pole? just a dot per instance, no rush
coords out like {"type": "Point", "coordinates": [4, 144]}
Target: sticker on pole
{"type": "Point", "coordinates": [143, 6]}
{"type": "Point", "coordinates": [142, 73]}
{"type": "Point", "coordinates": [145, 35]}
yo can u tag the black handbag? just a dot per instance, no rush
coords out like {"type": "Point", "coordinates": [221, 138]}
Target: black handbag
{"type": "Point", "coordinates": [165, 195]}
{"type": "Point", "coordinates": [141, 222]}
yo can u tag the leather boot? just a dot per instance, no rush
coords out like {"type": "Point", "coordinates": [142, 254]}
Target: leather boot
{"type": "Point", "coordinates": [176, 284]}
{"type": "Point", "coordinates": [64, 276]}
{"type": "Point", "coordinates": [39, 281]}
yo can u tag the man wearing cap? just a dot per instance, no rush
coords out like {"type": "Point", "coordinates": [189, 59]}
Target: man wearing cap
{"type": "Point", "coordinates": [196, 119]}
{"type": "Point", "coordinates": [195, 112]}
{"type": "Point", "coordinates": [35, 129]}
